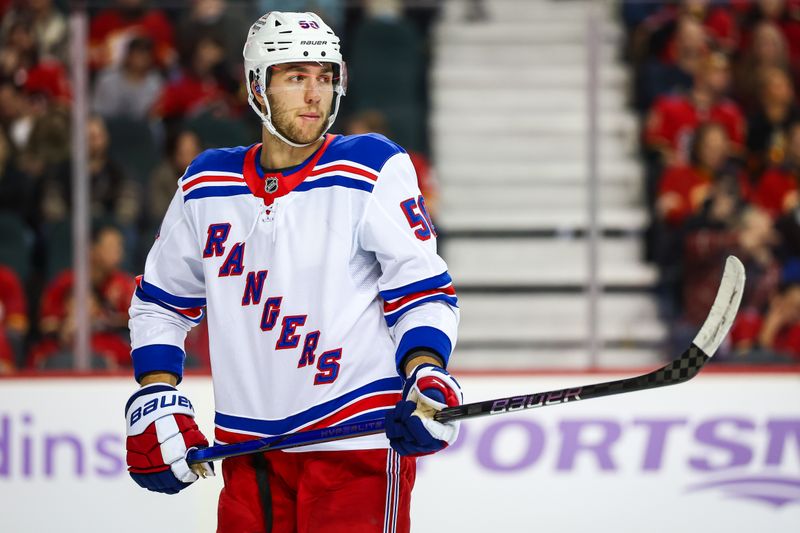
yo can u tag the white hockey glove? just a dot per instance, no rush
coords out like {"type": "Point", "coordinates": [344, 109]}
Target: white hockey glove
{"type": "Point", "coordinates": [161, 430]}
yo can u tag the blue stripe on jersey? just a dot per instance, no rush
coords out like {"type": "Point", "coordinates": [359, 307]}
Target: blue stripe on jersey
{"type": "Point", "coordinates": [423, 337]}
{"type": "Point", "coordinates": [209, 192]}
{"type": "Point", "coordinates": [418, 286]}
{"type": "Point", "coordinates": [335, 181]}
{"type": "Point", "coordinates": [157, 358]}
{"type": "Point", "coordinates": [218, 160]}
{"type": "Point", "coordinates": [371, 150]}
{"type": "Point", "coordinates": [363, 417]}
{"type": "Point", "coordinates": [184, 302]}
{"type": "Point", "coordinates": [143, 296]}
{"type": "Point", "coordinates": [392, 318]}
{"type": "Point", "coordinates": [285, 425]}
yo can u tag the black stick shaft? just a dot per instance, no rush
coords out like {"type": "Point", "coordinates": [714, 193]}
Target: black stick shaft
{"type": "Point", "coordinates": [682, 369]}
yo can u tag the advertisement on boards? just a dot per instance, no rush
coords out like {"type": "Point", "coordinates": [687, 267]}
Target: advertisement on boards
{"type": "Point", "coordinates": [719, 453]}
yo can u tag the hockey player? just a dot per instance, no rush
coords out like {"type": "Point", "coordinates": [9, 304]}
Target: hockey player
{"type": "Point", "coordinates": [315, 260]}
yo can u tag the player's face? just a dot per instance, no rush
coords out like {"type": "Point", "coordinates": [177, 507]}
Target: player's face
{"type": "Point", "coordinates": [300, 98]}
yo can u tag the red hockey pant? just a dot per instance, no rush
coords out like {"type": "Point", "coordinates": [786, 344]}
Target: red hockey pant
{"type": "Point", "coordinates": [355, 491]}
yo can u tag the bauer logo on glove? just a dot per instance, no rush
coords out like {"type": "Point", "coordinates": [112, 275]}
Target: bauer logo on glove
{"type": "Point", "coordinates": [162, 402]}
{"type": "Point", "coordinates": [161, 431]}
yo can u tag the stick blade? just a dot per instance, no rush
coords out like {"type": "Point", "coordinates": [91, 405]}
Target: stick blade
{"type": "Point", "coordinates": [723, 311]}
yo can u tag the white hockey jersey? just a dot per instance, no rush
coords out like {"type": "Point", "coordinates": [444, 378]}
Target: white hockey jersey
{"type": "Point", "coordinates": [314, 293]}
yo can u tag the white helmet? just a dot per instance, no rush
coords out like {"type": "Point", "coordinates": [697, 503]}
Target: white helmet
{"type": "Point", "coordinates": [278, 38]}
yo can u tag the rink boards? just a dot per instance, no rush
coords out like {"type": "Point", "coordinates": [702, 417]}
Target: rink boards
{"type": "Point", "coordinates": [719, 453]}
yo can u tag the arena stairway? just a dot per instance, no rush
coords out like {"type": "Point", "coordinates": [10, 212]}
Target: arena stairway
{"type": "Point", "coordinates": [508, 125]}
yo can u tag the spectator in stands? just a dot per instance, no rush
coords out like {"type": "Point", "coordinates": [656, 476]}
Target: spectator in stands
{"type": "Point", "coordinates": [373, 121]}
{"type": "Point", "coordinates": [782, 13]}
{"type": "Point", "coordinates": [22, 63]}
{"type": "Point", "coordinates": [13, 319]}
{"type": "Point", "coordinates": [684, 192]}
{"type": "Point", "coordinates": [788, 227]}
{"type": "Point", "coordinates": [635, 13]}
{"type": "Point", "coordinates": [38, 130]}
{"type": "Point", "coordinates": [768, 50]}
{"type": "Point", "coordinates": [112, 28]}
{"type": "Point", "coordinates": [15, 116]}
{"type": "Point", "coordinates": [224, 21]}
{"type": "Point", "coordinates": [18, 50]}
{"type": "Point", "coordinates": [684, 189]}
{"type": "Point", "coordinates": [16, 188]}
{"type": "Point", "coordinates": [131, 88]}
{"type": "Point", "coordinates": [777, 189]}
{"type": "Point", "coordinates": [181, 150]}
{"type": "Point", "coordinates": [205, 84]}
{"type": "Point", "coordinates": [384, 37]}
{"type": "Point", "coordinates": [48, 24]}
{"type": "Point", "coordinates": [719, 230]}
{"type": "Point", "coordinates": [111, 293]}
{"type": "Point", "coordinates": [673, 119]}
{"type": "Point", "coordinates": [776, 331]}
{"type": "Point", "coordinates": [659, 76]}
{"type": "Point", "coordinates": [717, 20]}
{"type": "Point", "coordinates": [113, 195]}
{"type": "Point", "coordinates": [766, 141]}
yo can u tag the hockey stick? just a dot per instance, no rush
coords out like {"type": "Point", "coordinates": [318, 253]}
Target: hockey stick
{"type": "Point", "coordinates": [684, 368]}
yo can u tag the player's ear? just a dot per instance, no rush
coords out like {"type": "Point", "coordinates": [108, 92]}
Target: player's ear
{"type": "Point", "coordinates": [257, 92]}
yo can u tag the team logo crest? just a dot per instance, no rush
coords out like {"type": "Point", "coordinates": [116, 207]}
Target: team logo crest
{"type": "Point", "coordinates": [271, 185]}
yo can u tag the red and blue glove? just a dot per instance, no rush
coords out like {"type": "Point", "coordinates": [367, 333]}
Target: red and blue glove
{"type": "Point", "coordinates": [410, 426]}
{"type": "Point", "coordinates": [161, 430]}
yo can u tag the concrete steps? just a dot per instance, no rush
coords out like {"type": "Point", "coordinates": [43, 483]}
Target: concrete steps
{"type": "Point", "coordinates": [553, 124]}
{"type": "Point", "coordinates": [521, 11]}
{"type": "Point", "coordinates": [454, 76]}
{"type": "Point", "coordinates": [507, 359]}
{"type": "Point", "coordinates": [525, 262]}
{"type": "Point", "coordinates": [509, 137]}
{"type": "Point", "coordinates": [512, 99]}
{"type": "Point", "coordinates": [527, 33]}
{"type": "Point", "coordinates": [497, 219]}
{"type": "Point", "coordinates": [532, 196]}
{"type": "Point", "coordinates": [478, 55]}
{"type": "Point", "coordinates": [570, 171]}
{"type": "Point", "coordinates": [556, 319]}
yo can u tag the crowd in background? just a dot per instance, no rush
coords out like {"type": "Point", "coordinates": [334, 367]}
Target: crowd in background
{"type": "Point", "coordinates": [166, 82]}
{"type": "Point", "coordinates": [717, 85]}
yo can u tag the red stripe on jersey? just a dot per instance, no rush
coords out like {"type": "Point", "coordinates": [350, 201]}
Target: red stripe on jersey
{"type": "Point", "coordinates": [388, 307]}
{"type": "Point", "coordinates": [365, 404]}
{"type": "Point", "coordinates": [193, 313]}
{"type": "Point", "coordinates": [229, 437]}
{"type": "Point", "coordinates": [345, 168]}
{"type": "Point", "coordinates": [209, 179]}
{"type": "Point", "coordinates": [190, 312]}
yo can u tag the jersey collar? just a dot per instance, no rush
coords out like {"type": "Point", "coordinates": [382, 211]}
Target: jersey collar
{"type": "Point", "coordinates": [257, 179]}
